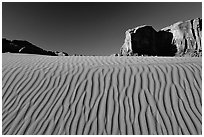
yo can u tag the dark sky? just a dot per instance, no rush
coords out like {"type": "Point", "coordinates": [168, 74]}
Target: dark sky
{"type": "Point", "coordinates": [87, 28]}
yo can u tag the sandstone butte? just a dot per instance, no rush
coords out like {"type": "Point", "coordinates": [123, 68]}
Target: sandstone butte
{"type": "Point", "coordinates": [180, 39]}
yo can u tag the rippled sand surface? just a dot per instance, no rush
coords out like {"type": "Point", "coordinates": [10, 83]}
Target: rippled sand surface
{"type": "Point", "coordinates": [101, 95]}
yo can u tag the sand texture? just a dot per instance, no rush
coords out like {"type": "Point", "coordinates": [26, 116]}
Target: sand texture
{"type": "Point", "coordinates": [101, 95]}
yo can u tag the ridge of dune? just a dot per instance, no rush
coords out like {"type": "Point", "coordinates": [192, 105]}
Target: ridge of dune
{"type": "Point", "coordinates": [101, 95]}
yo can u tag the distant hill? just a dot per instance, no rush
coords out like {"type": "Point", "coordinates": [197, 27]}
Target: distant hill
{"type": "Point", "coordinates": [21, 46]}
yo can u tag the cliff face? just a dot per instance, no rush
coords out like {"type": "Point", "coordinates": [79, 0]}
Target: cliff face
{"type": "Point", "coordinates": [141, 39]}
{"type": "Point", "coordinates": [179, 39]}
{"type": "Point", "coordinates": [186, 35]}
{"type": "Point", "coordinates": [20, 46]}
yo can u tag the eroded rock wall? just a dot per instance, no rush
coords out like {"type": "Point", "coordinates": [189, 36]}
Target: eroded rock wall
{"type": "Point", "coordinates": [186, 36]}
{"type": "Point", "coordinates": [179, 39]}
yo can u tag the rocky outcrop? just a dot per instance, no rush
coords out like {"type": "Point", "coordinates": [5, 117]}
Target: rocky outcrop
{"type": "Point", "coordinates": [186, 36]}
{"type": "Point", "coordinates": [114, 55]}
{"type": "Point", "coordinates": [61, 53]}
{"type": "Point", "coordinates": [141, 39]}
{"type": "Point", "coordinates": [20, 46]}
{"type": "Point", "coordinates": [179, 39]}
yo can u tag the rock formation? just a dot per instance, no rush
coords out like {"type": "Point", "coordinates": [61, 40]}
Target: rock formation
{"type": "Point", "coordinates": [61, 53]}
{"type": "Point", "coordinates": [114, 55]}
{"type": "Point", "coordinates": [186, 36]}
{"type": "Point", "coordinates": [141, 39]}
{"type": "Point", "coordinates": [178, 39]}
{"type": "Point", "coordinates": [20, 46]}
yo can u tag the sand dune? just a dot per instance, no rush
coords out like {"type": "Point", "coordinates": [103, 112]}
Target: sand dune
{"type": "Point", "coordinates": [101, 95]}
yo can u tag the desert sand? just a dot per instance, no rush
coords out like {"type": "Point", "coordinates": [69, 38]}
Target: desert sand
{"type": "Point", "coordinates": [101, 95]}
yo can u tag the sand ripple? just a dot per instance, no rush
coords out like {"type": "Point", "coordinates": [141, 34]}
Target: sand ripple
{"type": "Point", "coordinates": [101, 95]}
